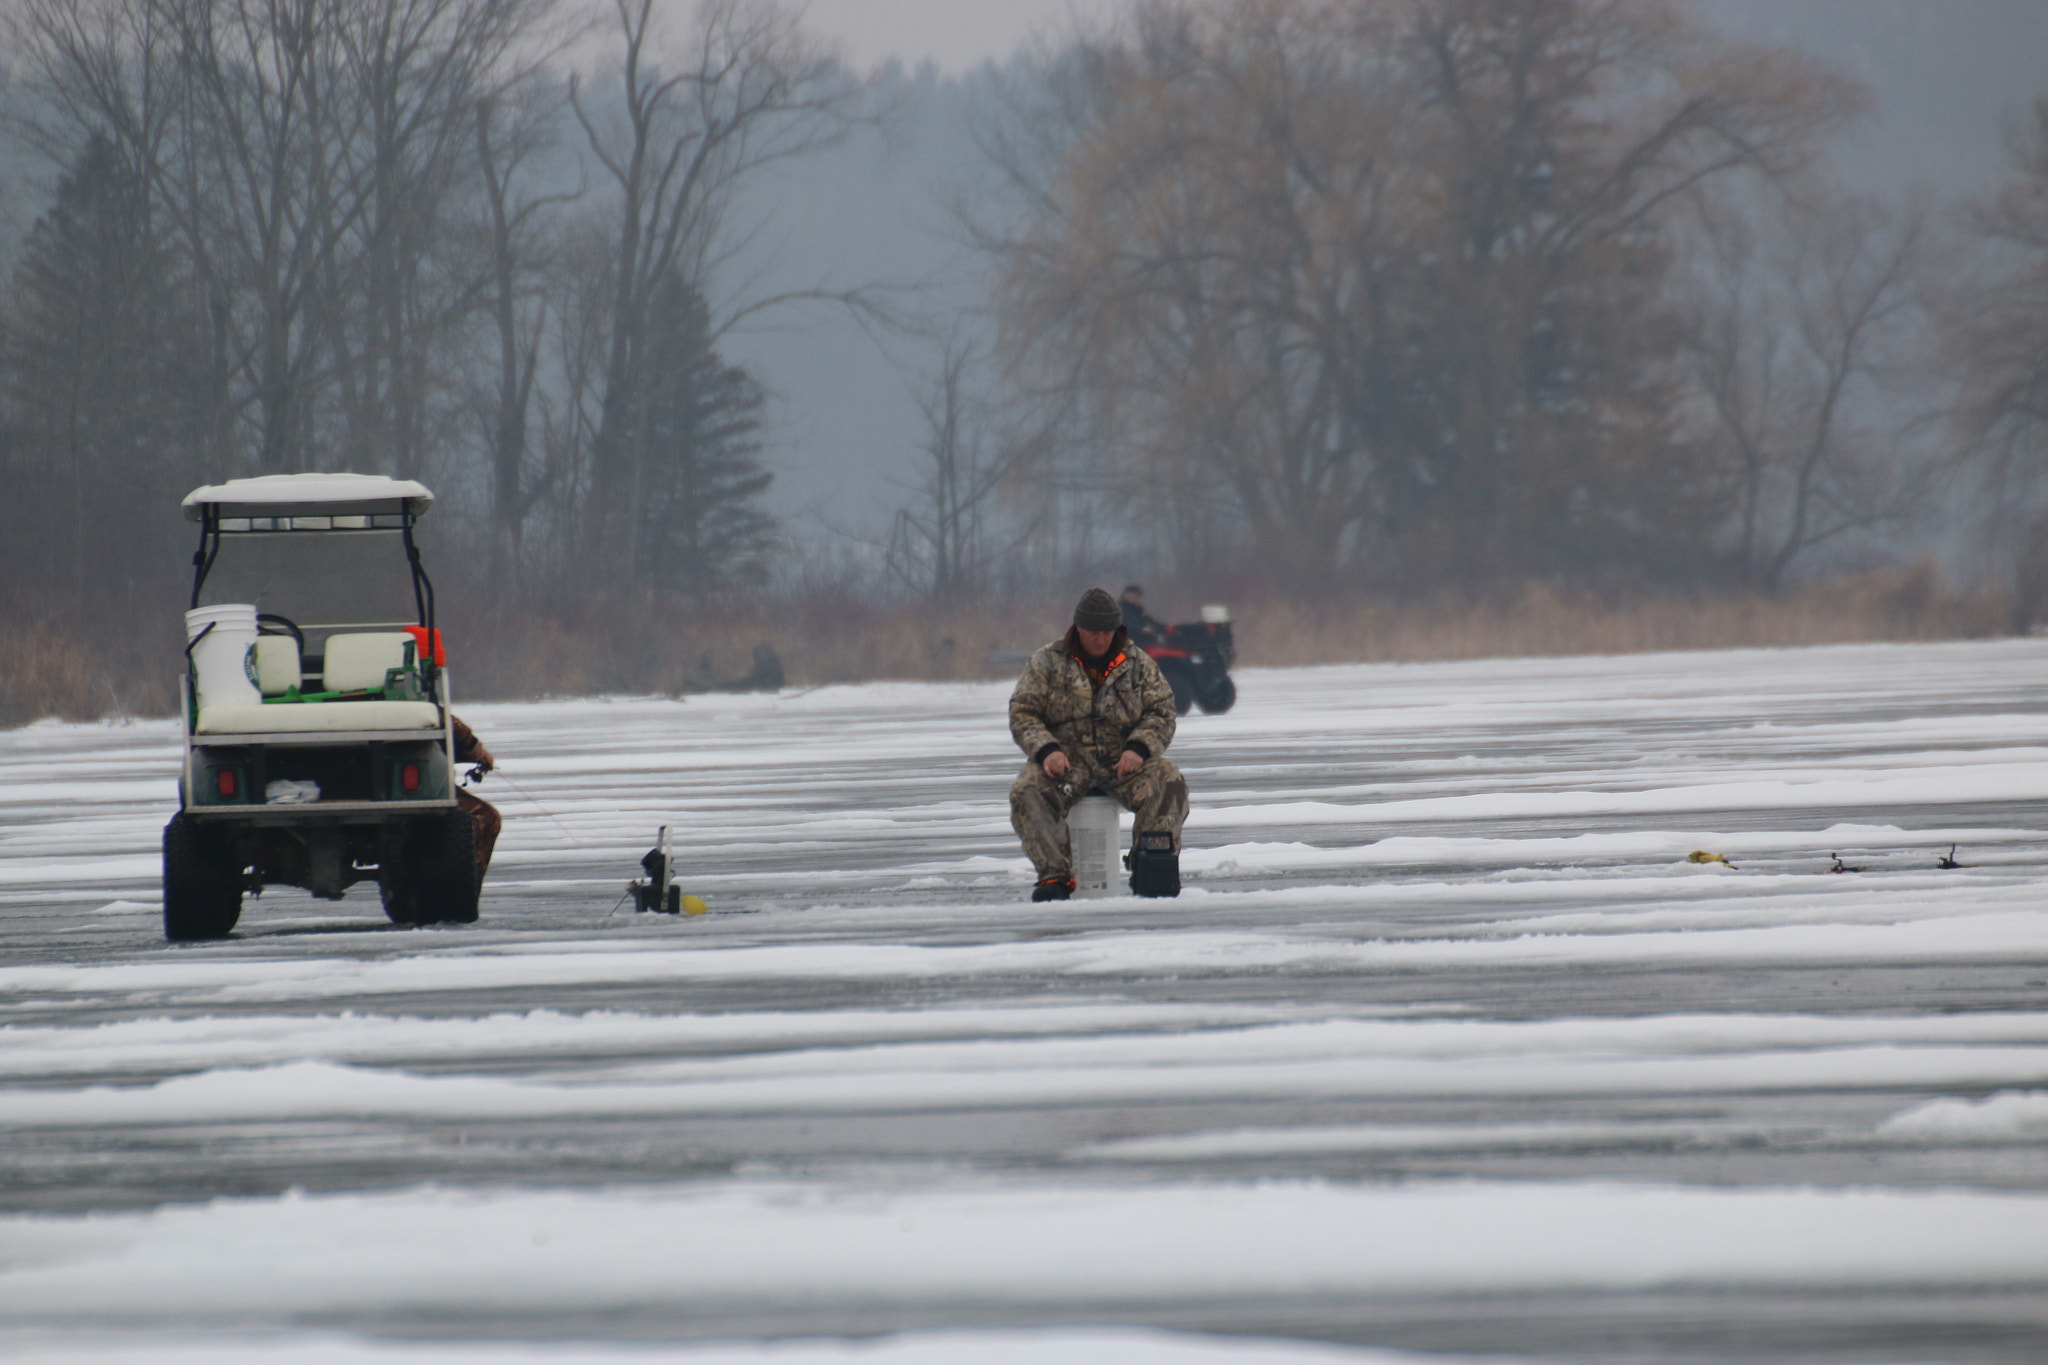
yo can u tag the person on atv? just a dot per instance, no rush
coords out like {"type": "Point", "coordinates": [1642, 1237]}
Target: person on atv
{"type": "Point", "coordinates": [470, 749]}
{"type": "Point", "coordinates": [1093, 714]}
{"type": "Point", "coordinates": [1144, 629]}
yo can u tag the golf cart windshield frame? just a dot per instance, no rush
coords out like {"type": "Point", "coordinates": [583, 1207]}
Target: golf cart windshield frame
{"type": "Point", "coordinates": [220, 520]}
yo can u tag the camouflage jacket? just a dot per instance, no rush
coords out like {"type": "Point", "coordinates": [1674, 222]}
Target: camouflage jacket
{"type": "Point", "coordinates": [1057, 705]}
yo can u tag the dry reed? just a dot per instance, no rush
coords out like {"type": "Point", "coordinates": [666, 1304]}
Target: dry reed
{"type": "Point", "coordinates": [1541, 619]}
{"type": "Point", "coordinates": [832, 637]}
{"type": "Point", "coordinates": [43, 674]}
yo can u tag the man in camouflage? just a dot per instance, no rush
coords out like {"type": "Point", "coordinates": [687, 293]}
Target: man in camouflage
{"type": "Point", "coordinates": [1093, 715]}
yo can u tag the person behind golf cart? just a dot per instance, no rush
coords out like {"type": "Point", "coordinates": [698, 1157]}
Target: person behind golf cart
{"type": "Point", "coordinates": [1144, 628]}
{"type": "Point", "coordinates": [469, 749]}
{"type": "Point", "coordinates": [1093, 714]}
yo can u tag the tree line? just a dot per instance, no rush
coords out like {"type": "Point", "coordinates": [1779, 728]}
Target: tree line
{"type": "Point", "coordinates": [393, 236]}
{"type": "Point", "coordinates": [1358, 295]}
{"type": "Point", "coordinates": [1467, 292]}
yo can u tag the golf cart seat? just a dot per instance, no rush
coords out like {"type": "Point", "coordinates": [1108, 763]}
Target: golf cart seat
{"type": "Point", "coordinates": [277, 665]}
{"type": "Point", "coordinates": [358, 663]}
{"type": "Point", "coordinates": [318, 718]}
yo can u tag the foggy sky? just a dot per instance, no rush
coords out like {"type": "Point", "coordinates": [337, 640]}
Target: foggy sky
{"type": "Point", "coordinates": [955, 35]}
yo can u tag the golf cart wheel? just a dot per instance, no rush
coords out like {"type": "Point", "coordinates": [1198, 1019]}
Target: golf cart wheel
{"type": "Point", "coordinates": [1182, 682]}
{"type": "Point", "coordinates": [433, 880]}
{"type": "Point", "coordinates": [397, 893]}
{"type": "Point", "coordinates": [1219, 696]}
{"type": "Point", "coordinates": [202, 884]}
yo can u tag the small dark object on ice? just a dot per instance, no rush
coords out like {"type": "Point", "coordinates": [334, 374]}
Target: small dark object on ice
{"type": "Point", "coordinates": [1053, 889]}
{"type": "Point", "coordinates": [1155, 867]}
{"type": "Point", "coordinates": [1948, 861]}
{"type": "Point", "coordinates": [766, 677]}
{"type": "Point", "coordinates": [1840, 866]}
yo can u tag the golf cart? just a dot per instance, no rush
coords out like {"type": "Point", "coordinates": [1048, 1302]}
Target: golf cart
{"type": "Point", "coordinates": [319, 748]}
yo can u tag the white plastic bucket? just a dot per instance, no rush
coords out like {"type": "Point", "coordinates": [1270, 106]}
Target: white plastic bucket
{"type": "Point", "coordinates": [1091, 829]}
{"type": "Point", "coordinates": [224, 656]}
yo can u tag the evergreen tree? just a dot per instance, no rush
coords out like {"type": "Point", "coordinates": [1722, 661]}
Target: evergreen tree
{"type": "Point", "coordinates": [703, 528]}
{"type": "Point", "coordinates": [103, 373]}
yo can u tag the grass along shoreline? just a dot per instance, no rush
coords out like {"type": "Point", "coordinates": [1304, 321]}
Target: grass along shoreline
{"type": "Point", "coordinates": [836, 637]}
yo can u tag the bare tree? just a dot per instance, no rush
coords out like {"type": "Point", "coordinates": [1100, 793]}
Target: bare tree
{"type": "Point", "coordinates": [573, 336]}
{"type": "Point", "coordinates": [522, 243]}
{"type": "Point", "coordinates": [306, 154]}
{"type": "Point", "coordinates": [1801, 352]}
{"type": "Point", "coordinates": [676, 140]}
{"type": "Point", "coordinates": [1386, 275]}
{"type": "Point", "coordinates": [259, 186]}
{"type": "Point", "coordinates": [1998, 335]}
{"type": "Point", "coordinates": [422, 70]}
{"type": "Point", "coordinates": [941, 545]}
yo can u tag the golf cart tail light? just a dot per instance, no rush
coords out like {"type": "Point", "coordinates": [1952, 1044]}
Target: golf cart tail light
{"type": "Point", "coordinates": [224, 778]}
{"type": "Point", "coordinates": [409, 777]}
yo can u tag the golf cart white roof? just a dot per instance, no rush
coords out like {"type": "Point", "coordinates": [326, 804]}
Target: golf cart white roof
{"type": "Point", "coordinates": [284, 495]}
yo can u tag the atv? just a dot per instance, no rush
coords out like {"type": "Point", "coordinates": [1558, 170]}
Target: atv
{"type": "Point", "coordinates": [319, 749]}
{"type": "Point", "coordinates": [1195, 658]}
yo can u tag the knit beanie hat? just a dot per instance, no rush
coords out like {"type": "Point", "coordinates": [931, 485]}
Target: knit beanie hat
{"type": "Point", "coordinates": [1097, 610]}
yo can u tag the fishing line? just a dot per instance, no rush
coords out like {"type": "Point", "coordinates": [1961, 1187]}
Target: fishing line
{"type": "Point", "coordinates": [528, 797]}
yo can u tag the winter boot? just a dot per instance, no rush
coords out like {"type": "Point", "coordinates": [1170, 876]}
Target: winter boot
{"type": "Point", "coordinates": [1155, 867]}
{"type": "Point", "coordinates": [1053, 889]}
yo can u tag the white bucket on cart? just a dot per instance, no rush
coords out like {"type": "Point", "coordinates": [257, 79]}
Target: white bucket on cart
{"type": "Point", "coordinates": [223, 646]}
{"type": "Point", "coordinates": [1091, 830]}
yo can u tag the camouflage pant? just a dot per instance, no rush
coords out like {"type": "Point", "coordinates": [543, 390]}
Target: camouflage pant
{"type": "Point", "coordinates": [1039, 806]}
{"type": "Point", "coordinates": [488, 823]}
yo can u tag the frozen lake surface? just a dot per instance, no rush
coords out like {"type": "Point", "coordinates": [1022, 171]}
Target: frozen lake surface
{"type": "Point", "coordinates": [1447, 1052]}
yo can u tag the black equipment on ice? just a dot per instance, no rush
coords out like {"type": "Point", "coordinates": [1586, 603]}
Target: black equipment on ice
{"type": "Point", "coordinates": [659, 893]}
{"type": "Point", "coordinates": [1155, 867]}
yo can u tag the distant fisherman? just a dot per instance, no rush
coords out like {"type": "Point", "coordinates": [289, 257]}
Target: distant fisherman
{"type": "Point", "coordinates": [1143, 627]}
{"type": "Point", "coordinates": [1093, 714]}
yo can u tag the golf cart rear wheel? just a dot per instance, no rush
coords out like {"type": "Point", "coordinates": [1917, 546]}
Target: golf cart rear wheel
{"type": "Point", "coordinates": [1182, 682]}
{"type": "Point", "coordinates": [202, 883]}
{"type": "Point", "coordinates": [433, 879]}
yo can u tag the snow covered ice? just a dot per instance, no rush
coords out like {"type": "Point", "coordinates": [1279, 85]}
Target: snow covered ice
{"type": "Point", "coordinates": [1447, 1052]}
